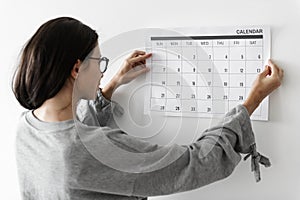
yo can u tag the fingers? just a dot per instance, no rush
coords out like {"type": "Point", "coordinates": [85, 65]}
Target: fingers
{"type": "Point", "coordinates": [281, 73]}
{"type": "Point", "coordinates": [136, 53]}
{"type": "Point", "coordinates": [277, 70]}
{"type": "Point", "coordinates": [267, 71]}
{"type": "Point", "coordinates": [140, 58]}
{"type": "Point", "coordinates": [274, 68]}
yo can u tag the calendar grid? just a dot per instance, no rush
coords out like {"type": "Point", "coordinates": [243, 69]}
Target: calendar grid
{"type": "Point", "coordinates": [204, 75]}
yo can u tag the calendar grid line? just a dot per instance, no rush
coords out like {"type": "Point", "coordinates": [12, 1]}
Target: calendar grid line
{"type": "Point", "coordinates": [212, 77]}
{"type": "Point", "coordinates": [214, 60]}
{"type": "Point", "coordinates": [166, 78]}
{"type": "Point", "coordinates": [229, 69]}
{"type": "Point", "coordinates": [204, 73]}
{"type": "Point", "coordinates": [196, 95]}
{"type": "Point", "coordinates": [245, 68]}
{"type": "Point", "coordinates": [181, 66]}
{"type": "Point", "coordinates": [208, 37]}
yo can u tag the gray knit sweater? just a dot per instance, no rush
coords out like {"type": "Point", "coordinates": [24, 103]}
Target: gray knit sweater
{"type": "Point", "coordinates": [93, 159]}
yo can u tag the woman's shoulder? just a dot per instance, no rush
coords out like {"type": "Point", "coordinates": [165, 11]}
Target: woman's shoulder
{"type": "Point", "coordinates": [28, 121]}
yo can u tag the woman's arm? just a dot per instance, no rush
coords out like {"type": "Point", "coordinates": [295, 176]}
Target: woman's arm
{"type": "Point", "coordinates": [265, 83]}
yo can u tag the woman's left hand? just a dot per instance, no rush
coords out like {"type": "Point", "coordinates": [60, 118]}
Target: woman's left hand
{"type": "Point", "coordinates": [133, 66]}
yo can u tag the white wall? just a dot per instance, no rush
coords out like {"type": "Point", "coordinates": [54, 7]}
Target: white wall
{"type": "Point", "coordinates": [279, 138]}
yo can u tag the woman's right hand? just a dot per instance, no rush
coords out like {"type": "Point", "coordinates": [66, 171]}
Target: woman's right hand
{"type": "Point", "coordinates": [265, 83]}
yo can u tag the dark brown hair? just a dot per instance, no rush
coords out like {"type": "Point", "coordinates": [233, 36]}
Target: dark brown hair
{"type": "Point", "coordinates": [48, 58]}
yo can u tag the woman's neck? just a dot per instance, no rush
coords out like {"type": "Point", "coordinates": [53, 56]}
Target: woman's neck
{"type": "Point", "coordinates": [58, 108]}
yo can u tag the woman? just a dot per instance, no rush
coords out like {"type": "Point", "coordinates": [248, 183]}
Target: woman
{"type": "Point", "coordinates": [55, 158]}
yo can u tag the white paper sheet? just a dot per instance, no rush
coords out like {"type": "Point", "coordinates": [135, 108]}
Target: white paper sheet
{"type": "Point", "coordinates": [204, 72]}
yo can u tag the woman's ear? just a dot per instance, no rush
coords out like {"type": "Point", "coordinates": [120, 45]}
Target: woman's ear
{"type": "Point", "coordinates": [75, 70]}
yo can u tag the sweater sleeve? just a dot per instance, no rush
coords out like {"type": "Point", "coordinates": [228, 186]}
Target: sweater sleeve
{"type": "Point", "coordinates": [161, 170]}
{"type": "Point", "coordinates": [99, 112]}
{"type": "Point", "coordinates": [211, 158]}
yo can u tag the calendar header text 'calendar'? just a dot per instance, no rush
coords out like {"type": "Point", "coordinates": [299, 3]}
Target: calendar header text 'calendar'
{"type": "Point", "coordinates": [249, 31]}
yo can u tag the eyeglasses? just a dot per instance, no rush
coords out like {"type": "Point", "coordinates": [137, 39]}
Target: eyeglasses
{"type": "Point", "coordinates": [102, 61]}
